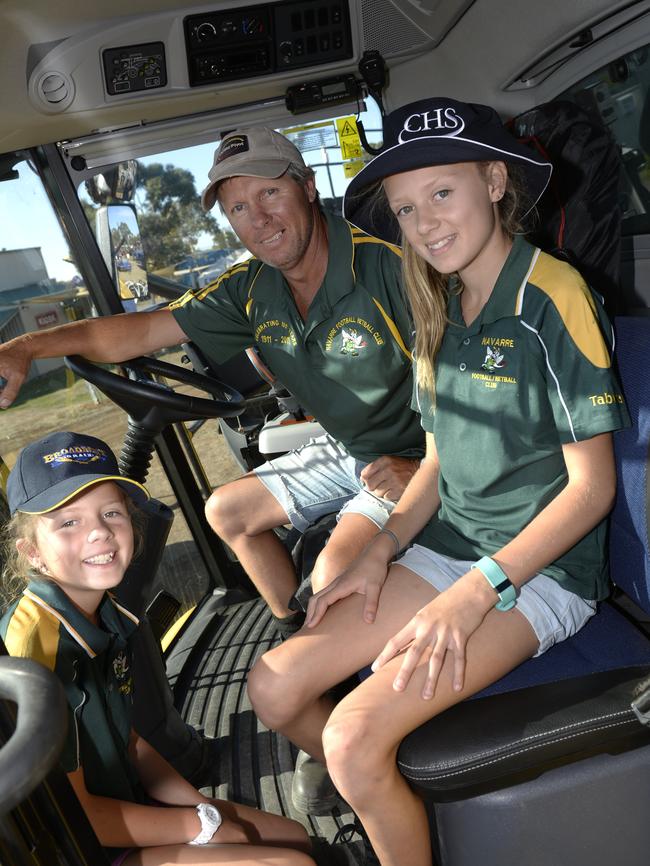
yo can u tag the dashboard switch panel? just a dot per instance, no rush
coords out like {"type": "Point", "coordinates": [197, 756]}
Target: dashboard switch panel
{"type": "Point", "coordinates": [226, 45]}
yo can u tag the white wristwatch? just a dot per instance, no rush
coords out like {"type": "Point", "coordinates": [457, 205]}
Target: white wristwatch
{"type": "Point", "coordinates": [210, 819]}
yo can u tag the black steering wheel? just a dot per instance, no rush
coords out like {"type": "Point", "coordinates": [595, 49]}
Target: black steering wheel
{"type": "Point", "coordinates": [152, 406]}
{"type": "Point", "coordinates": [34, 747]}
{"type": "Point", "coordinates": [138, 397]}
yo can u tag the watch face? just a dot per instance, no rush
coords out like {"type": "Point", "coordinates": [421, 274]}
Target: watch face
{"type": "Point", "coordinates": [212, 814]}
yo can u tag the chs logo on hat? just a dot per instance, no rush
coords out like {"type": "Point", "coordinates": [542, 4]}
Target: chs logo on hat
{"type": "Point", "coordinates": [52, 470]}
{"type": "Point", "coordinates": [440, 121]}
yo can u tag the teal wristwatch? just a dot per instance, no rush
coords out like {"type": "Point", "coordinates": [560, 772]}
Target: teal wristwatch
{"type": "Point", "coordinates": [498, 580]}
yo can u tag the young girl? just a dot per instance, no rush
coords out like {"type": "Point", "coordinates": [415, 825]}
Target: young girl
{"type": "Point", "coordinates": [73, 534]}
{"type": "Point", "coordinates": [518, 401]}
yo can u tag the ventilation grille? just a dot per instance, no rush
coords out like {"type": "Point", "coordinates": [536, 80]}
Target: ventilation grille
{"type": "Point", "coordinates": [54, 90]}
{"type": "Point", "coordinates": [387, 30]}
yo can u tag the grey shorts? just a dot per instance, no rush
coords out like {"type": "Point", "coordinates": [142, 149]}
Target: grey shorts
{"type": "Point", "coordinates": [321, 478]}
{"type": "Point", "coordinates": [553, 612]}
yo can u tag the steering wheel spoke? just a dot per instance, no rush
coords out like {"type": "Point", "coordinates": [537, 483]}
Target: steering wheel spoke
{"type": "Point", "coordinates": [152, 404]}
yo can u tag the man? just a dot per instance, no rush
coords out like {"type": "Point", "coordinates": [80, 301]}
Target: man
{"type": "Point", "coordinates": [323, 303]}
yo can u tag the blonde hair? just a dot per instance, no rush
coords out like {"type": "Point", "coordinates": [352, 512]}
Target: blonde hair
{"type": "Point", "coordinates": [428, 291]}
{"type": "Point", "coordinates": [17, 570]}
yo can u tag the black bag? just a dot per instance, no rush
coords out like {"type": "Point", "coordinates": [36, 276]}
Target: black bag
{"type": "Point", "coordinates": [579, 216]}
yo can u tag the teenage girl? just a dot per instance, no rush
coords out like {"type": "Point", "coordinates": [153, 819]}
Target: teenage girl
{"type": "Point", "coordinates": [505, 517]}
{"type": "Point", "coordinates": [73, 536]}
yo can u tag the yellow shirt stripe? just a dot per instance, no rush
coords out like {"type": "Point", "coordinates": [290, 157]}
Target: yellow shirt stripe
{"type": "Point", "coordinates": [31, 635]}
{"type": "Point", "coordinates": [575, 304]}
{"type": "Point", "coordinates": [64, 622]}
{"type": "Point", "coordinates": [366, 239]}
{"type": "Point", "coordinates": [393, 329]}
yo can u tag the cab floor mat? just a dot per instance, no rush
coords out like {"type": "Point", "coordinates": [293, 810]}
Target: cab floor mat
{"type": "Point", "coordinates": [246, 762]}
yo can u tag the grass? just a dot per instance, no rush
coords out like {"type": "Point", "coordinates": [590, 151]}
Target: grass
{"type": "Point", "coordinates": [56, 399]}
{"type": "Point", "coordinates": [44, 391]}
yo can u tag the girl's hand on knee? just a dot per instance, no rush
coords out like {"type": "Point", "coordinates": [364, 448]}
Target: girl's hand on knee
{"type": "Point", "coordinates": [363, 577]}
{"type": "Point", "coordinates": [442, 626]}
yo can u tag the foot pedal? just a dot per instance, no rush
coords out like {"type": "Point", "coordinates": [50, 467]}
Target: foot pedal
{"type": "Point", "coordinates": [161, 613]}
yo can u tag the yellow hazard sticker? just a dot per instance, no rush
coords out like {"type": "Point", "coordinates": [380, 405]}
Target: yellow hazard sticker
{"type": "Point", "coordinates": [352, 167]}
{"type": "Point", "coordinates": [349, 140]}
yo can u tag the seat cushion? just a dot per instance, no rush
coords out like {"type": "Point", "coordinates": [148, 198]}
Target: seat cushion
{"type": "Point", "coordinates": [576, 696]}
{"type": "Point", "coordinates": [608, 641]}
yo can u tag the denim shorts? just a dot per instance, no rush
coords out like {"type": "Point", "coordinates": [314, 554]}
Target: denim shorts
{"type": "Point", "coordinates": [320, 478]}
{"type": "Point", "coordinates": [553, 612]}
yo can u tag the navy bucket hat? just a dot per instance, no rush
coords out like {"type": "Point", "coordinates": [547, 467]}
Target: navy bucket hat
{"type": "Point", "coordinates": [52, 470]}
{"type": "Point", "coordinates": [438, 131]}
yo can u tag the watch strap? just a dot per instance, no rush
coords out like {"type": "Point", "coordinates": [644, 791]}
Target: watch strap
{"type": "Point", "coordinates": [499, 581]}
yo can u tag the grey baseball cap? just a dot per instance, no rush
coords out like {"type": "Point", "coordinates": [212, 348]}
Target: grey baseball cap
{"type": "Point", "coordinates": [256, 151]}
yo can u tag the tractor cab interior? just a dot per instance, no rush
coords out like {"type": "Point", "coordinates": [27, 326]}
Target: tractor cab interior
{"type": "Point", "coordinates": [110, 118]}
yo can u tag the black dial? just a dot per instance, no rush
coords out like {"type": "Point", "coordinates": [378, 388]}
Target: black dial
{"type": "Point", "coordinates": [205, 32]}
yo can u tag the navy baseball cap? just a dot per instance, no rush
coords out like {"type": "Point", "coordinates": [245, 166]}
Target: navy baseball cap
{"type": "Point", "coordinates": [52, 470]}
{"type": "Point", "coordinates": [438, 131]}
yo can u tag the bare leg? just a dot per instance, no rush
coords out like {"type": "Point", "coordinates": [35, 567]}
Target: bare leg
{"type": "Point", "coordinates": [288, 685]}
{"type": "Point", "coordinates": [393, 816]}
{"type": "Point", "coordinates": [273, 840]}
{"type": "Point", "coordinates": [236, 855]}
{"type": "Point", "coordinates": [244, 514]}
{"type": "Point", "coordinates": [351, 534]}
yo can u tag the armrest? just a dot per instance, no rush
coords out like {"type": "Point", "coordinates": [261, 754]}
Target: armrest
{"type": "Point", "coordinates": [484, 740]}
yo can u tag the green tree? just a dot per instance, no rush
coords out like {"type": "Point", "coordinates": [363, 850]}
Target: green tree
{"type": "Point", "coordinates": [170, 216]}
{"type": "Point", "coordinates": [226, 239]}
{"type": "Point", "coordinates": [121, 236]}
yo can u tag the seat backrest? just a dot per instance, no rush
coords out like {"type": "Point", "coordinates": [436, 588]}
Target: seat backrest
{"type": "Point", "coordinates": [238, 372]}
{"type": "Point", "coordinates": [579, 216]}
{"type": "Point", "coordinates": [629, 527]}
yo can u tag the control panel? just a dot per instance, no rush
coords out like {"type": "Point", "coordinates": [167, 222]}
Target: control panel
{"type": "Point", "coordinates": [134, 67]}
{"type": "Point", "coordinates": [258, 40]}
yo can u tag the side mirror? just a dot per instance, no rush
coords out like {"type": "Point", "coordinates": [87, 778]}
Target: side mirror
{"type": "Point", "coordinates": [118, 237]}
{"type": "Point", "coordinates": [115, 183]}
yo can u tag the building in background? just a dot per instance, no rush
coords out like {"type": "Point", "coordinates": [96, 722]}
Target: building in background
{"type": "Point", "coordinates": [31, 300]}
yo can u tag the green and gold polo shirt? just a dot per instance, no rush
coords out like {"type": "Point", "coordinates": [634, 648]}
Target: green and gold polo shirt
{"type": "Point", "coordinates": [348, 363]}
{"type": "Point", "coordinates": [531, 373]}
{"type": "Point", "coordinates": [94, 665]}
